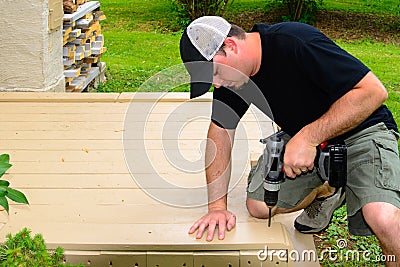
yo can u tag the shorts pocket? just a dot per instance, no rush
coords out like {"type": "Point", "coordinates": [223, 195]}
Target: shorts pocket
{"type": "Point", "coordinates": [387, 165]}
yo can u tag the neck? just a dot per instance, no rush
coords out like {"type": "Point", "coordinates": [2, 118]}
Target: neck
{"type": "Point", "coordinates": [254, 50]}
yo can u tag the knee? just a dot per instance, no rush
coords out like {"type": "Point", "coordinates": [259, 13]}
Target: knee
{"type": "Point", "coordinates": [257, 209]}
{"type": "Point", "coordinates": [383, 218]}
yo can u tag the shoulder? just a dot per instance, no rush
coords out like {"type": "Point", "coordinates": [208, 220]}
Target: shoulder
{"type": "Point", "coordinates": [289, 30]}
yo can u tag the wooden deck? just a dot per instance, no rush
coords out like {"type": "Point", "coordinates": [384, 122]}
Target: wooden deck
{"type": "Point", "coordinates": [104, 175]}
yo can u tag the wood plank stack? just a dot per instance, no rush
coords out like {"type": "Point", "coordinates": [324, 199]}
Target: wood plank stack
{"type": "Point", "coordinates": [70, 6]}
{"type": "Point", "coordinates": [83, 43]}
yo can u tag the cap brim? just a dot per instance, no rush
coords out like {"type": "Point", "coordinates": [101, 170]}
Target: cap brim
{"type": "Point", "coordinates": [201, 76]}
{"type": "Point", "coordinates": [199, 69]}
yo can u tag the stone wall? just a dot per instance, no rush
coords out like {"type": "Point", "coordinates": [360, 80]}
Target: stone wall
{"type": "Point", "coordinates": [30, 52]}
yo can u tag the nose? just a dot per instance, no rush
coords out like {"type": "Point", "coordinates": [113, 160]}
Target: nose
{"type": "Point", "coordinates": [217, 82]}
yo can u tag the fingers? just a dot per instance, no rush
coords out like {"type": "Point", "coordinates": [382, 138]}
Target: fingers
{"type": "Point", "coordinates": [231, 222]}
{"type": "Point", "coordinates": [225, 224]}
{"type": "Point", "coordinates": [223, 219]}
{"type": "Point", "coordinates": [292, 171]}
{"type": "Point", "coordinates": [194, 227]}
{"type": "Point", "coordinates": [221, 229]}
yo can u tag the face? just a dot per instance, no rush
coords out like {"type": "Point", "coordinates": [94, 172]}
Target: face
{"type": "Point", "coordinates": [228, 72]}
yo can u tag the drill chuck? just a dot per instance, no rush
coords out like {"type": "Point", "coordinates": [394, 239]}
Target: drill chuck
{"type": "Point", "coordinates": [271, 193]}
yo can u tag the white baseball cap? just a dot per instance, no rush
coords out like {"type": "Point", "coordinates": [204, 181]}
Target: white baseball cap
{"type": "Point", "coordinates": [199, 43]}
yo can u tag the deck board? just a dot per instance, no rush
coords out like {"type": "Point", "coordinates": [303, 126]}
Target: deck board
{"type": "Point", "coordinates": [70, 155]}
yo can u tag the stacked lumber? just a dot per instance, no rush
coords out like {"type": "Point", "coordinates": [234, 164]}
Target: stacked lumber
{"type": "Point", "coordinates": [70, 6]}
{"type": "Point", "coordinates": [83, 44]}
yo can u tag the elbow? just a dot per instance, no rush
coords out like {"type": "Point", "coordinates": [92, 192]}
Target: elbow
{"type": "Point", "coordinates": [380, 92]}
{"type": "Point", "coordinates": [382, 95]}
{"type": "Point", "coordinates": [385, 95]}
{"type": "Point", "coordinates": [374, 88]}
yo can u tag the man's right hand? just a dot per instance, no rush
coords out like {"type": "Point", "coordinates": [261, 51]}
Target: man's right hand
{"type": "Point", "coordinates": [225, 220]}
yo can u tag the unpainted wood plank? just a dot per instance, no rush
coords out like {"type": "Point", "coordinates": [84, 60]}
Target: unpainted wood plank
{"type": "Point", "coordinates": [198, 108]}
{"type": "Point", "coordinates": [171, 156]}
{"type": "Point", "coordinates": [77, 144]}
{"type": "Point", "coordinates": [62, 135]}
{"type": "Point", "coordinates": [100, 181]}
{"type": "Point", "coordinates": [151, 237]}
{"type": "Point", "coordinates": [88, 145]}
{"type": "Point", "coordinates": [62, 126]}
{"type": "Point", "coordinates": [71, 181]}
{"type": "Point", "coordinates": [62, 117]}
{"type": "Point", "coordinates": [178, 197]}
{"type": "Point", "coordinates": [56, 97]}
{"type": "Point", "coordinates": [109, 117]}
{"type": "Point", "coordinates": [120, 167]}
{"type": "Point", "coordinates": [62, 107]}
{"type": "Point", "coordinates": [38, 156]}
{"type": "Point", "coordinates": [198, 125]}
{"type": "Point", "coordinates": [116, 133]}
{"type": "Point", "coordinates": [118, 214]}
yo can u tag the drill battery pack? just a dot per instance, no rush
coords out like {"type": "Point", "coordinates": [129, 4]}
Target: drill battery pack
{"type": "Point", "coordinates": [331, 163]}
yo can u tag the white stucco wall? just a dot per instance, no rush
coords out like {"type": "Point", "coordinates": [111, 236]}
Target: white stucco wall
{"type": "Point", "coordinates": [30, 54]}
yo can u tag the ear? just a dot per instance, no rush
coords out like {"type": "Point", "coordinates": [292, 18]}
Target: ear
{"type": "Point", "coordinates": [231, 45]}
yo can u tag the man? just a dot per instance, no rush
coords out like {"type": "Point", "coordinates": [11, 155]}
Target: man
{"type": "Point", "coordinates": [316, 92]}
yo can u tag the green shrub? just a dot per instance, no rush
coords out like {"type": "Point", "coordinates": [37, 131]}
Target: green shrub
{"type": "Point", "coordinates": [5, 190]}
{"type": "Point", "coordinates": [24, 251]}
{"type": "Point", "coordinates": [188, 10]}
{"type": "Point", "coordinates": [300, 10]}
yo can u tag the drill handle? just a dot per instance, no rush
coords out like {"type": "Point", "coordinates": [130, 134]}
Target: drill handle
{"type": "Point", "coordinates": [321, 163]}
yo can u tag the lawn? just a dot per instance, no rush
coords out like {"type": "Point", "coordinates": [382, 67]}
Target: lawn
{"type": "Point", "coordinates": [142, 40]}
{"type": "Point", "coordinates": [390, 7]}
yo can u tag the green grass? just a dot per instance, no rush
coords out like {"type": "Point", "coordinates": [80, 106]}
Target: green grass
{"type": "Point", "coordinates": [388, 7]}
{"type": "Point", "coordinates": [245, 5]}
{"type": "Point", "coordinates": [135, 15]}
{"type": "Point", "coordinates": [384, 61]}
{"type": "Point", "coordinates": [133, 57]}
{"type": "Point", "coordinates": [138, 45]}
{"type": "Point", "coordinates": [337, 232]}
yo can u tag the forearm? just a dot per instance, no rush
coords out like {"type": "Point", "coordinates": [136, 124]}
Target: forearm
{"type": "Point", "coordinates": [218, 166]}
{"type": "Point", "coordinates": [347, 112]}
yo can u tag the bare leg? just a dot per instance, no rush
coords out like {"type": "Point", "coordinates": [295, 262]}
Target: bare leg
{"type": "Point", "coordinates": [384, 220]}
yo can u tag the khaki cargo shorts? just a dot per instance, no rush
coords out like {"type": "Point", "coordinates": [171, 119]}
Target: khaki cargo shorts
{"type": "Point", "coordinates": [373, 175]}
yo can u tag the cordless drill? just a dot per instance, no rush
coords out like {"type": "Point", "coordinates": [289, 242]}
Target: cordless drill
{"type": "Point", "coordinates": [273, 170]}
{"type": "Point", "coordinates": [330, 162]}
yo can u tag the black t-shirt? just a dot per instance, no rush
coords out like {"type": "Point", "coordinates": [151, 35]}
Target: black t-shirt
{"type": "Point", "coordinates": [302, 74]}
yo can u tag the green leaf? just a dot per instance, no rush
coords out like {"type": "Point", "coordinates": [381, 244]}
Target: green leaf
{"type": "Point", "coordinates": [4, 183]}
{"type": "Point", "coordinates": [4, 167]}
{"type": "Point", "coordinates": [4, 203]}
{"type": "Point", "coordinates": [3, 191]}
{"type": "Point", "coordinates": [5, 158]}
{"type": "Point", "coordinates": [16, 196]}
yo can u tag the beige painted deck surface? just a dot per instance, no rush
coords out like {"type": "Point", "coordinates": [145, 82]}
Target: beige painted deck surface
{"type": "Point", "coordinates": [70, 153]}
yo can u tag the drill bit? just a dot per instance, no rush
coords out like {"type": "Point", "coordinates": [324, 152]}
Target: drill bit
{"type": "Point", "coordinates": [269, 216]}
